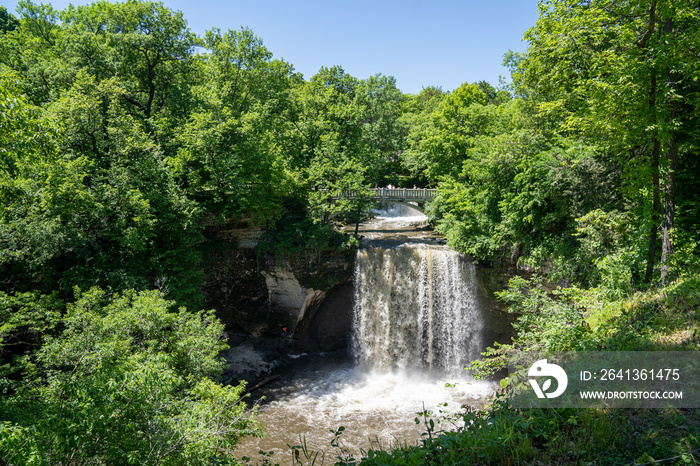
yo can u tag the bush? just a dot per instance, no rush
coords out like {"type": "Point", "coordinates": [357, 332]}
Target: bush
{"type": "Point", "coordinates": [127, 381]}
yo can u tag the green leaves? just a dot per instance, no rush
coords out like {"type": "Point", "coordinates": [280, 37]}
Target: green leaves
{"type": "Point", "coordinates": [229, 151]}
{"type": "Point", "coordinates": [128, 381]}
{"type": "Point", "coordinates": [442, 141]}
{"type": "Point", "coordinates": [344, 135]}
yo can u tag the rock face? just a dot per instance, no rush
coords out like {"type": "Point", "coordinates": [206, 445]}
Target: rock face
{"type": "Point", "coordinates": [498, 323]}
{"type": "Point", "coordinates": [326, 323]}
{"type": "Point", "coordinates": [312, 302]}
{"type": "Point", "coordinates": [257, 294]}
{"type": "Point", "coordinates": [286, 294]}
{"type": "Point", "coordinates": [237, 290]}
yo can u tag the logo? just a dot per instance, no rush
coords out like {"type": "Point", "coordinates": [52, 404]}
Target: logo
{"type": "Point", "coordinates": [542, 369]}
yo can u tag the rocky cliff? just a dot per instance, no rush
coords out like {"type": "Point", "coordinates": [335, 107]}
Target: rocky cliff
{"type": "Point", "coordinates": [257, 295]}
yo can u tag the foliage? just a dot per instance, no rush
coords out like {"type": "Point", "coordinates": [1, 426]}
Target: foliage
{"type": "Point", "coordinates": [26, 318]}
{"type": "Point", "coordinates": [295, 238]}
{"type": "Point", "coordinates": [8, 22]}
{"type": "Point", "coordinates": [502, 435]}
{"type": "Point", "coordinates": [619, 75]}
{"type": "Point", "coordinates": [92, 191]}
{"type": "Point", "coordinates": [519, 198]}
{"type": "Point", "coordinates": [596, 319]}
{"type": "Point", "coordinates": [229, 156]}
{"type": "Point", "coordinates": [126, 381]}
{"type": "Point", "coordinates": [344, 136]}
{"type": "Point", "coordinates": [603, 121]}
{"type": "Point", "coordinates": [441, 144]}
{"type": "Point", "coordinates": [542, 324]}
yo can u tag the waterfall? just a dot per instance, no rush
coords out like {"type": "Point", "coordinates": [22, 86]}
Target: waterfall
{"type": "Point", "coordinates": [416, 325]}
{"type": "Point", "coordinates": [415, 308]}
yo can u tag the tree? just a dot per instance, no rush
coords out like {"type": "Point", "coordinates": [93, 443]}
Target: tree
{"type": "Point", "coordinates": [230, 155]}
{"type": "Point", "coordinates": [340, 187]}
{"type": "Point", "coordinates": [616, 73]}
{"type": "Point", "coordinates": [342, 135]}
{"type": "Point", "coordinates": [112, 78]}
{"type": "Point", "coordinates": [145, 43]}
{"type": "Point", "coordinates": [383, 132]}
{"type": "Point", "coordinates": [441, 146]}
{"type": "Point", "coordinates": [126, 381]}
{"type": "Point", "coordinates": [30, 236]}
{"type": "Point", "coordinates": [8, 22]}
{"type": "Point", "coordinates": [417, 118]}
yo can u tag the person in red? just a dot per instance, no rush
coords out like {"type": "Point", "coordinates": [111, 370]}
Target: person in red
{"type": "Point", "coordinates": [284, 331]}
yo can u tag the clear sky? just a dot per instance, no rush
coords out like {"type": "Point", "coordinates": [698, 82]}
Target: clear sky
{"type": "Point", "coordinates": [441, 43]}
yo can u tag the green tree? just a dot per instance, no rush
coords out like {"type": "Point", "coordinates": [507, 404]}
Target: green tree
{"type": "Point", "coordinates": [113, 77]}
{"type": "Point", "coordinates": [7, 21]}
{"type": "Point", "coordinates": [440, 147]}
{"type": "Point", "coordinates": [417, 118]}
{"type": "Point", "coordinates": [343, 135]}
{"type": "Point", "coordinates": [621, 74]}
{"type": "Point", "coordinates": [126, 381]}
{"type": "Point", "coordinates": [230, 155]}
{"type": "Point", "coordinates": [380, 107]}
{"type": "Point", "coordinates": [121, 204]}
{"type": "Point", "coordinates": [146, 44]}
{"type": "Point", "coordinates": [30, 236]}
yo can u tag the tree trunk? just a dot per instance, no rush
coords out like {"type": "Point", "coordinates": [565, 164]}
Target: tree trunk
{"type": "Point", "coordinates": [357, 219]}
{"type": "Point", "coordinates": [670, 187]}
{"type": "Point", "coordinates": [669, 208]}
{"type": "Point", "coordinates": [656, 153]}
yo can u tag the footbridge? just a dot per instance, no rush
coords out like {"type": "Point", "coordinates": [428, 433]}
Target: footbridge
{"type": "Point", "coordinates": [415, 198]}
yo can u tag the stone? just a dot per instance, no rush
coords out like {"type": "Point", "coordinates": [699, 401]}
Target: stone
{"type": "Point", "coordinates": [330, 327]}
{"type": "Point", "coordinates": [286, 294]}
{"type": "Point", "coordinates": [314, 299]}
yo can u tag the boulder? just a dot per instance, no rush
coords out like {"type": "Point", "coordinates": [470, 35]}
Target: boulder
{"type": "Point", "coordinates": [328, 328]}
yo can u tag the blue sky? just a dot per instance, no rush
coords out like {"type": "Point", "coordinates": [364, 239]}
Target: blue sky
{"type": "Point", "coordinates": [441, 43]}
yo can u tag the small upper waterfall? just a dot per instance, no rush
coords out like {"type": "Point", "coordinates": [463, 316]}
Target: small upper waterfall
{"type": "Point", "coordinates": [415, 308]}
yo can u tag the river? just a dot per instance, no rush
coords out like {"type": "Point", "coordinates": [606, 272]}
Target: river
{"type": "Point", "coordinates": [417, 324]}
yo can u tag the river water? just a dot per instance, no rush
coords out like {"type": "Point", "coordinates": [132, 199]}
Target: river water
{"type": "Point", "coordinates": [417, 324]}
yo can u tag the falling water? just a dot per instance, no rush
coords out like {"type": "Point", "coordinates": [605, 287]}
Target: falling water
{"type": "Point", "coordinates": [415, 308]}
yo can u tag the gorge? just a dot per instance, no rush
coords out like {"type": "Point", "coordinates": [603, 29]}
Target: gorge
{"type": "Point", "coordinates": [418, 318]}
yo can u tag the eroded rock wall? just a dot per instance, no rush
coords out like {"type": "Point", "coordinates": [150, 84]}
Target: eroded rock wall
{"type": "Point", "coordinates": [326, 323]}
{"type": "Point", "coordinates": [255, 293]}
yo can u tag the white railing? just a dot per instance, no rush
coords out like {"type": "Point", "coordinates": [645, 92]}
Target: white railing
{"type": "Point", "coordinates": [418, 194]}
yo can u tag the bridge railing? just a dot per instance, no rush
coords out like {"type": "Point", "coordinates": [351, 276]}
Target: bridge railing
{"type": "Point", "coordinates": [418, 194]}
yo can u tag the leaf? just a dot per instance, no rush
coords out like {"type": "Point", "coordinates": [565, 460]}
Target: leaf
{"type": "Point", "coordinates": [645, 458]}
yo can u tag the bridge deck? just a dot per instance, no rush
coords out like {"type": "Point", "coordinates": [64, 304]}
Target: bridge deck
{"type": "Point", "coordinates": [397, 194]}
